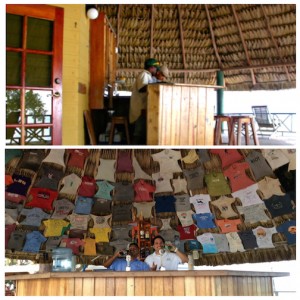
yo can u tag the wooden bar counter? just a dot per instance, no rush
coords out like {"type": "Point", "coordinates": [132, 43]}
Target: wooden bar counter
{"type": "Point", "coordinates": [180, 114]}
{"type": "Point", "coordinates": [166, 283]}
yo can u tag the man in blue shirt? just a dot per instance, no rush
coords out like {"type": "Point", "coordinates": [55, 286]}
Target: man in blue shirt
{"type": "Point", "coordinates": [117, 263]}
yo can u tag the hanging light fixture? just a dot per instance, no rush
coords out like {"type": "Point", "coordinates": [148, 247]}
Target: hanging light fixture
{"type": "Point", "coordinates": [91, 11]}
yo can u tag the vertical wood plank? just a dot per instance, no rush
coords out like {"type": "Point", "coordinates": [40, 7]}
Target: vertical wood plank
{"type": "Point", "coordinates": [153, 115]}
{"type": "Point", "coordinates": [100, 286]}
{"type": "Point", "coordinates": [168, 286]}
{"type": "Point", "coordinates": [178, 284]}
{"type": "Point", "coordinates": [78, 287]}
{"type": "Point", "coordinates": [140, 286]}
{"type": "Point", "coordinates": [230, 290]}
{"type": "Point", "coordinates": [130, 286]}
{"type": "Point", "coordinates": [88, 285]}
{"type": "Point", "coordinates": [201, 286]}
{"type": "Point", "coordinates": [110, 287]}
{"type": "Point", "coordinates": [190, 289]}
{"type": "Point", "coordinates": [157, 287]}
{"type": "Point", "coordinates": [184, 120]}
{"type": "Point", "coordinates": [218, 285]}
{"type": "Point", "coordinates": [121, 286]}
{"type": "Point", "coordinates": [148, 287]}
{"type": "Point", "coordinates": [176, 114]}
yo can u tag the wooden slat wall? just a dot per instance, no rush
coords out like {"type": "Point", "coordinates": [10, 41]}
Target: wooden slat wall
{"type": "Point", "coordinates": [148, 286]}
{"type": "Point", "coordinates": [180, 115]}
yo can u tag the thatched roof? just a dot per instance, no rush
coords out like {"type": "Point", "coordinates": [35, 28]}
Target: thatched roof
{"type": "Point", "coordinates": [254, 44]}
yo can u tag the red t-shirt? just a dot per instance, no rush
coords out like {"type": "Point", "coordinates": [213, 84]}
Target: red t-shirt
{"type": "Point", "coordinates": [42, 198]}
{"type": "Point", "coordinates": [143, 191]}
{"type": "Point", "coordinates": [77, 157]}
{"type": "Point", "coordinates": [227, 156]}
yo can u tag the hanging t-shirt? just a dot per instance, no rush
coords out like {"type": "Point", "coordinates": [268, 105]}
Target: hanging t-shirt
{"type": "Point", "coordinates": [264, 236]}
{"type": "Point", "coordinates": [101, 234]}
{"type": "Point", "coordinates": [227, 156]}
{"type": "Point", "coordinates": [138, 171]}
{"type": "Point", "coordinates": [143, 191]}
{"type": "Point", "coordinates": [166, 224]}
{"type": "Point", "coordinates": [104, 190]}
{"type": "Point", "coordinates": [121, 232]}
{"type": "Point", "coordinates": [185, 217]}
{"type": "Point", "coordinates": [123, 192]}
{"type": "Point", "coordinates": [208, 242]}
{"type": "Point", "coordinates": [124, 162]}
{"type": "Point", "coordinates": [221, 242]}
{"type": "Point", "coordinates": [164, 204]}
{"type": "Point", "coordinates": [275, 158]}
{"type": "Point", "coordinates": [83, 205]}
{"type": "Point", "coordinates": [53, 242]}
{"type": "Point", "coordinates": [106, 170]}
{"type": "Point", "coordinates": [291, 155]}
{"type": "Point", "coordinates": [203, 155]}
{"type": "Point", "coordinates": [122, 213]}
{"type": "Point", "coordinates": [179, 185]}
{"type": "Point", "coordinates": [17, 191]}
{"type": "Point", "coordinates": [288, 228]}
{"type": "Point", "coordinates": [62, 208]}
{"type": "Point", "coordinates": [269, 187]}
{"type": "Point", "coordinates": [204, 220]}
{"type": "Point", "coordinates": [42, 198]}
{"type": "Point", "coordinates": [280, 205]}
{"type": "Point", "coordinates": [182, 202]}
{"type": "Point", "coordinates": [188, 232]}
{"type": "Point", "coordinates": [228, 225]}
{"type": "Point", "coordinates": [201, 203]}
{"type": "Point", "coordinates": [217, 184]}
{"type": "Point", "coordinates": [71, 184]}
{"type": "Point", "coordinates": [55, 227]}
{"type": "Point", "coordinates": [74, 244]}
{"type": "Point", "coordinates": [11, 154]}
{"type": "Point", "coordinates": [248, 239]}
{"type": "Point", "coordinates": [162, 182]}
{"type": "Point", "coordinates": [50, 177]}
{"type": "Point", "coordinates": [88, 186]}
{"type": "Point", "coordinates": [101, 221]}
{"type": "Point", "coordinates": [224, 204]}
{"type": "Point", "coordinates": [248, 196]}
{"type": "Point", "coordinates": [56, 156]}
{"type": "Point", "coordinates": [32, 159]}
{"type": "Point", "coordinates": [194, 177]}
{"type": "Point", "coordinates": [33, 242]}
{"type": "Point", "coordinates": [235, 243]}
{"type": "Point", "coordinates": [8, 231]}
{"type": "Point", "coordinates": [16, 240]}
{"type": "Point", "coordinates": [254, 213]}
{"type": "Point", "coordinates": [144, 208]}
{"type": "Point", "coordinates": [191, 157]}
{"type": "Point", "coordinates": [169, 235]}
{"type": "Point", "coordinates": [89, 246]}
{"type": "Point", "coordinates": [101, 207]}
{"type": "Point", "coordinates": [168, 160]}
{"type": "Point", "coordinates": [119, 244]}
{"type": "Point", "coordinates": [259, 165]}
{"type": "Point", "coordinates": [77, 157]}
{"type": "Point", "coordinates": [79, 221]}
{"type": "Point", "coordinates": [237, 176]}
{"type": "Point", "coordinates": [34, 216]}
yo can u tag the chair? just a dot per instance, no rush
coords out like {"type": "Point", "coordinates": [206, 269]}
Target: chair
{"type": "Point", "coordinates": [90, 127]}
{"type": "Point", "coordinates": [117, 121]}
{"type": "Point", "coordinates": [219, 119]}
{"type": "Point", "coordinates": [264, 120]}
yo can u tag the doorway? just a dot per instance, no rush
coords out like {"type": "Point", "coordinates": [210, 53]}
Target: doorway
{"type": "Point", "coordinates": [34, 40]}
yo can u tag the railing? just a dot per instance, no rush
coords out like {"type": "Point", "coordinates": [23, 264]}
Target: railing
{"type": "Point", "coordinates": [286, 121]}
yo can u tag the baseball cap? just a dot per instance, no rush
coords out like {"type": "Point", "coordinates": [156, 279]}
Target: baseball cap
{"type": "Point", "coordinates": [151, 62]}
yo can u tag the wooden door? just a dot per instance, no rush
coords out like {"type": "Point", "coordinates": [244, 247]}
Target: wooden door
{"type": "Point", "coordinates": [34, 38]}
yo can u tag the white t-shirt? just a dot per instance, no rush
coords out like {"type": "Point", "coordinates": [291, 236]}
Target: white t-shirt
{"type": "Point", "coordinates": [168, 260]}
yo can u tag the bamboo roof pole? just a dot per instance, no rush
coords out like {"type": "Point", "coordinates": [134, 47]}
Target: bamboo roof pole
{"type": "Point", "coordinates": [182, 40]}
{"type": "Point", "coordinates": [243, 43]}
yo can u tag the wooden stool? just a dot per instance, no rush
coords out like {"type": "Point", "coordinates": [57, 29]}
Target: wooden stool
{"type": "Point", "coordinates": [116, 121]}
{"type": "Point", "coordinates": [243, 122]}
{"type": "Point", "coordinates": [218, 129]}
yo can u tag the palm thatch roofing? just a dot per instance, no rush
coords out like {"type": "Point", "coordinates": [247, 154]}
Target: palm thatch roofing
{"type": "Point", "coordinates": [253, 44]}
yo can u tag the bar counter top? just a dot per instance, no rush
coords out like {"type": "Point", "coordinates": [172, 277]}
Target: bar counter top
{"type": "Point", "coordinates": [160, 283]}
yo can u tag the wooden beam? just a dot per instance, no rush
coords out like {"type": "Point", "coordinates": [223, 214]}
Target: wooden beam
{"type": "Point", "coordinates": [152, 30]}
{"type": "Point", "coordinates": [265, 66]}
{"type": "Point", "coordinates": [273, 40]}
{"type": "Point", "coordinates": [213, 40]}
{"type": "Point", "coordinates": [243, 42]}
{"type": "Point", "coordinates": [118, 23]}
{"type": "Point", "coordinates": [181, 39]}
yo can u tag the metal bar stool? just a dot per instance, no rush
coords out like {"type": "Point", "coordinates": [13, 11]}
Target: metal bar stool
{"type": "Point", "coordinates": [242, 122]}
{"type": "Point", "coordinates": [219, 119]}
{"type": "Point", "coordinates": [115, 121]}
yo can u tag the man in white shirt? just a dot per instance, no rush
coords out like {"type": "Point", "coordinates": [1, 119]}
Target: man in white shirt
{"type": "Point", "coordinates": [138, 101]}
{"type": "Point", "coordinates": [161, 259]}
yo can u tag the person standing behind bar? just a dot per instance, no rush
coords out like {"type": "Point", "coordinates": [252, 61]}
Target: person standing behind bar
{"type": "Point", "coordinates": [164, 260]}
{"type": "Point", "coordinates": [118, 263]}
{"type": "Point", "coordinates": [138, 101]}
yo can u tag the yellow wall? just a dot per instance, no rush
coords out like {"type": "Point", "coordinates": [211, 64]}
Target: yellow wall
{"type": "Point", "coordinates": [75, 71]}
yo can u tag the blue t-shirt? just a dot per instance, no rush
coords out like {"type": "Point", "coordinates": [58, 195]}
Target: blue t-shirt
{"type": "Point", "coordinates": [120, 264]}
